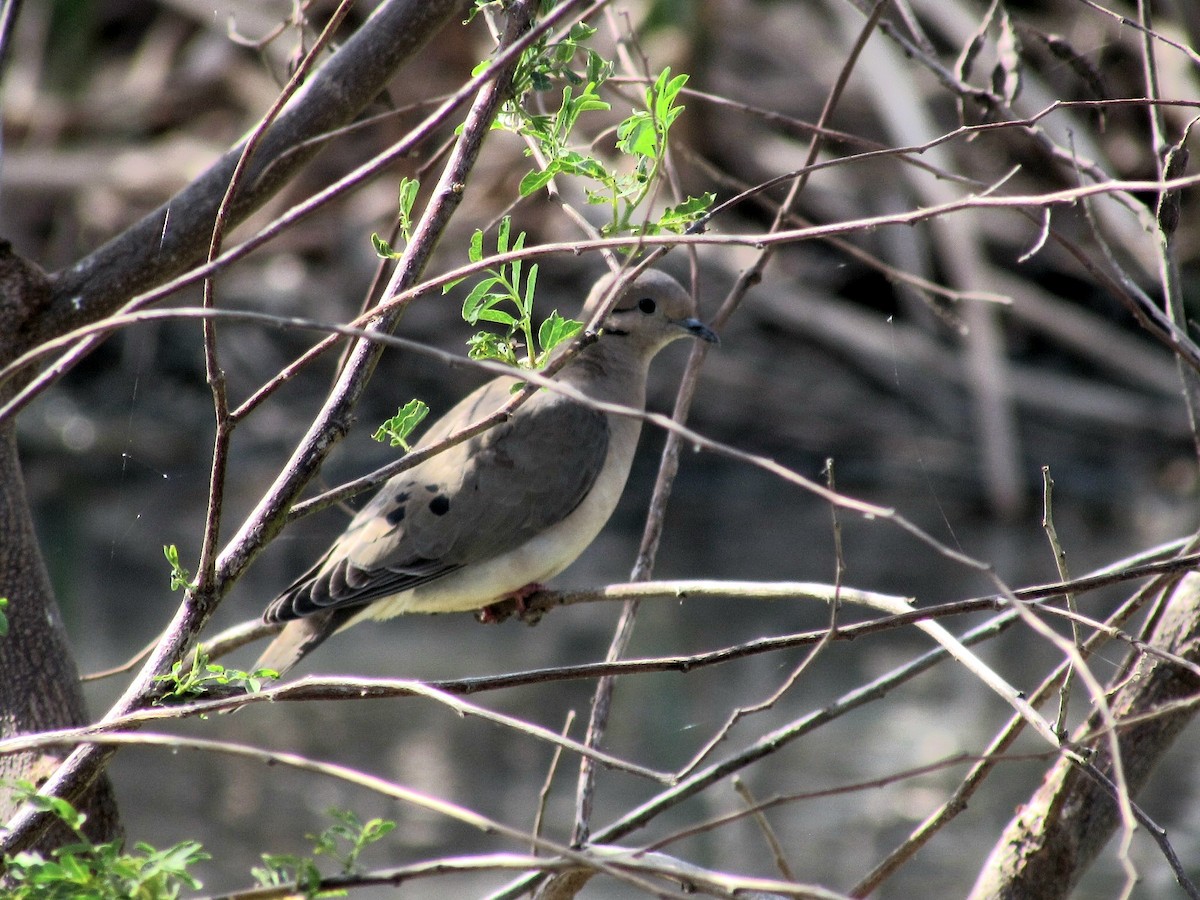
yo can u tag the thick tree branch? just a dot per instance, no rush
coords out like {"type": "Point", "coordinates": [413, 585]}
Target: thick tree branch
{"type": "Point", "coordinates": [176, 235]}
{"type": "Point", "coordinates": [1053, 839]}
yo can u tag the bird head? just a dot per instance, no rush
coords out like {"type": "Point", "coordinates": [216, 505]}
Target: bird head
{"type": "Point", "coordinates": [652, 310]}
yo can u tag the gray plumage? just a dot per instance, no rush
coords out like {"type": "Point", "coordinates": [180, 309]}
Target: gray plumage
{"type": "Point", "coordinates": [506, 509]}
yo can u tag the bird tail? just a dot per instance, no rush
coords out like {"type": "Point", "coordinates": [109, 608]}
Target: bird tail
{"type": "Point", "coordinates": [299, 638]}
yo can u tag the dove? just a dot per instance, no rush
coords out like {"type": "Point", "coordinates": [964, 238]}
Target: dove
{"type": "Point", "coordinates": [497, 515]}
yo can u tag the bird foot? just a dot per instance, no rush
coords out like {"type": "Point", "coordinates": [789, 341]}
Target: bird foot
{"type": "Point", "coordinates": [515, 603]}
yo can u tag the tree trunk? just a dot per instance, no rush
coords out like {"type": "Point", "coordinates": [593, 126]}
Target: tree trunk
{"type": "Point", "coordinates": [39, 683]}
{"type": "Point", "coordinates": [1054, 837]}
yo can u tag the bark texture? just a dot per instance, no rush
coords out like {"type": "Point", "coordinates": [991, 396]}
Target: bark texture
{"type": "Point", "coordinates": [39, 682]}
{"type": "Point", "coordinates": [1054, 837]}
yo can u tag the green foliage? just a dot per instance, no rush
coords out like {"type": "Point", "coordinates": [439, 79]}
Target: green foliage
{"type": "Point", "coordinates": [181, 578]}
{"type": "Point", "coordinates": [200, 678]}
{"type": "Point", "coordinates": [3, 617]}
{"type": "Point", "coordinates": [642, 137]}
{"type": "Point", "coordinates": [397, 429]}
{"type": "Point", "coordinates": [83, 869]}
{"type": "Point", "coordinates": [545, 63]}
{"type": "Point", "coordinates": [343, 842]}
{"type": "Point", "coordinates": [503, 288]}
{"type": "Point", "coordinates": [407, 197]}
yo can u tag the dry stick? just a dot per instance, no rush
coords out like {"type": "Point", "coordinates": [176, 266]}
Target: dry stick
{"type": "Point", "coordinates": [1168, 263]}
{"type": "Point", "coordinates": [301, 210]}
{"type": "Point", "coordinates": [837, 791]}
{"type": "Point", "coordinates": [1102, 708]}
{"type": "Point", "coordinates": [1147, 314]}
{"type": "Point", "coordinates": [764, 746]}
{"type": "Point", "coordinates": [267, 519]}
{"type": "Point", "coordinates": [544, 793]}
{"type": "Point", "coordinates": [669, 465]}
{"type": "Point", "coordinates": [830, 634]}
{"type": "Point", "coordinates": [758, 810]}
{"type": "Point", "coordinates": [732, 590]}
{"type": "Point", "coordinates": [957, 803]}
{"type": "Point", "coordinates": [692, 879]}
{"type": "Point", "coordinates": [346, 688]}
{"type": "Point", "coordinates": [1137, 644]}
{"type": "Point", "coordinates": [1144, 29]}
{"type": "Point", "coordinates": [362, 779]}
{"type": "Point", "coordinates": [10, 10]}
{"type": "Point", "coordinates": [150, 250]}
{"type": "Point", "coordinates": [1064, 574]}
{"type": "Point", "coordinates": [206, 591]}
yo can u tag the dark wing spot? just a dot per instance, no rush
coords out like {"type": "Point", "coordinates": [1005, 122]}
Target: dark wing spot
{"type": "Point", "coordinates": [402, 497]}
{"type": "Point", "coordinates": [395, 515]}
{"type": "Point", "coordinates": [432, 488]}
{"type": "Point", "coordinates": [439, 505]}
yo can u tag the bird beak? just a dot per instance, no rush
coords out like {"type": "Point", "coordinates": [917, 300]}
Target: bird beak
{"type": "Point", "coordinates": [696, 328]}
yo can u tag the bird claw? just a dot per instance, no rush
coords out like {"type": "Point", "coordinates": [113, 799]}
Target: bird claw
{"type": "Point", "coordinates": [512, 604]}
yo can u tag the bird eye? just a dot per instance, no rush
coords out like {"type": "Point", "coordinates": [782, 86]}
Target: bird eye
{"type": "Point", "coordinates": [646, 305]}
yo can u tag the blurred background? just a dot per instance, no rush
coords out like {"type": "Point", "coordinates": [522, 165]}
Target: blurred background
{"type": "Point", "coordinates": [940, 407]}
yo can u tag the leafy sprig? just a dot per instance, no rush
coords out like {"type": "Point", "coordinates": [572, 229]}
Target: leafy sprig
{"type": "Point", "coordinates": [98, 871]}
{"type": "Point", "coordinates": [399, 427]}
{"type": "Point", "coordinates": [343, 842]}
{"type": "Point", "coordinates": [407, 197]}
{"type": "Point", "coordinates": [181, 578]}
{"type": "Point", "coordinates": [200, 678]}
{"type": "Point", "coordinates": [641, 137]}
{"type": "Point", "coordinates": [502, 290]}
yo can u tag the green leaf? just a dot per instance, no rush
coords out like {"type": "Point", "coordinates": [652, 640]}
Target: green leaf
{"type": "Point", "coordinates": [581, 31]}
{"type": "Point", "coordinates": [598, 68]}
{"type": "Point", "coordinates": [637, 135]}
{"type": "Point", "coordinates": [555, 330]}
{"type": "Point", "coordinates": [488, 345]}
{"type": "Point", "coordinates": [535, 181]}
{"type": "Point", "coordinates": [3, 617]}
{"type": "Point", "coordinates": [477, 298]}
{"type": "Point", "coordinates": [678, 218]}
{"type": "Point", "coordinates": [196, 679]}
{"type": "Point", "coordinates": [527, 307]}
{"type": "Point", "coordinates": [475, 251]}
{"type": "Point", "coordinates": [502, 235]}
{"type": "Point", "coordinates": [407, 197]}
{"type": "Point", "coordinates": [399, 427]}
{"type": "Point", "coordinates": [382, 248]}
{"type": "Point", "coordinates": [181, 579]}
{"type": "Point", "coordinates": [499, 316]}
{"type": "Point", "coordinates": [451, 285]}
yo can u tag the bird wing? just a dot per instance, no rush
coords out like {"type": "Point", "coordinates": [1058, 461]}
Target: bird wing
{"type": "Point", "coordinates": [474, 502]}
